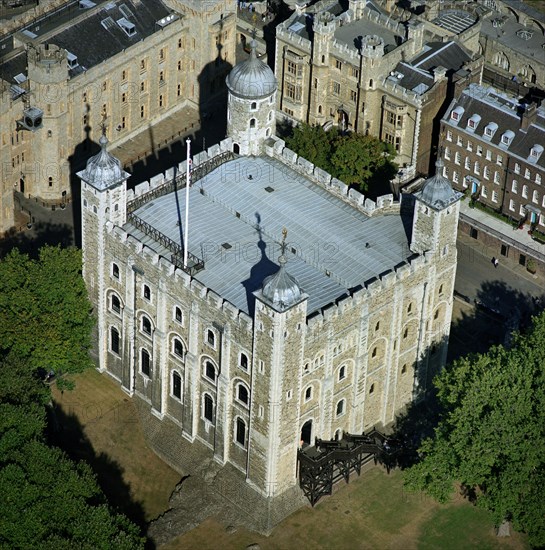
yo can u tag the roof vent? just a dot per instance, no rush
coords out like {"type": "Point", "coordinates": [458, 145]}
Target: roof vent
{"type": "Point", "coordinates": [127, 26]}
{"type": "Point", "coordinates": [227, 246]}
{"type": "Point", "coordinates": [269, 189]}
{"type": "Point", "coordinates": [86, 4]}
{"type": "Point", "coordinates": [124, 9]}
{"type": "Point", "coordinates": [108, 23]}
{"type": "Point", "coordinates": [72, 60]}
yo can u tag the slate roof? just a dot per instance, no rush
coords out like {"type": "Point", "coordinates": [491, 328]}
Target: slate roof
{"type": "Point", "coordinates": [88, 39]}
{"type": "Point", "coordinates": [492, 106]}
{"type": "Point", "coordinates": [236, 226]}
{"type": "Point", "coordinates": [418, 73]}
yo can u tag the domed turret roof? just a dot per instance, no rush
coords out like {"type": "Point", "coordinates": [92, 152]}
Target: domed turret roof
{"type": "Point", "coordinates": [437, 192]}
{"type": "Point", "coordinates": [251, 79]}
{"type": "Point", "coordinates": [282, 290]}
{"type": "Point", "coordinates": [103, 170]}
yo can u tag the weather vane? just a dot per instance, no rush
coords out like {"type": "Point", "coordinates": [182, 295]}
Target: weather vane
{"type": "Point", "coordinates": [103, 122]}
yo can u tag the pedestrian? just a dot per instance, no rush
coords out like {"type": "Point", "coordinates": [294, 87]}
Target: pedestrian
{"type": "Point", "coordinates": [496, 262]}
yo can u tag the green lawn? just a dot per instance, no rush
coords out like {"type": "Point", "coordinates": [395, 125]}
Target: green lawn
{"type": "Point", "coordinates": [372, 511]}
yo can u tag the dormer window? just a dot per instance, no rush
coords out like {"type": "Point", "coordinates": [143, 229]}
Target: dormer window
{"type": "Point", "coordinates": [490, 130]}
{"type": "Point", "coordinates": [457, 113]}
{"type": "Point", "coordinates": [507, 138]}
{"type": "Point", "coordinates": [473, 122]}
{"type": "Point", "coordinates": [535, 153]}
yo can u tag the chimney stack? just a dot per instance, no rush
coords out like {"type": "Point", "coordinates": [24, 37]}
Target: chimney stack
{"type": "Point", "coordinates": [528, 116]}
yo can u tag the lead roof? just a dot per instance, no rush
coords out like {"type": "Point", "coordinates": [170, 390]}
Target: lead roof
{"type": "Point", "coordinates": [236, 225]}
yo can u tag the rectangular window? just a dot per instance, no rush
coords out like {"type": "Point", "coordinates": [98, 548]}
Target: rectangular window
{"type": "Point", "coordinates": [496, 177]}
{"type": "Point", "coordinates": [517, 168]}
{"type": "Point", "coordinates": [459, 141]}
{"type": "Point", "coordinates": [504, 251]}
{"type": "Point", "coordinates": [457, 158]}
{"type": "Point", "coordinates": [338, 64]}
{"type": "Point", "coordinates": [449, 135]}
{"type": "Point", "coordinates": [114, 337]}
{"type": "Point", "coordinates": [355, 72]}
{"type": "Point", "coordinates": [484, 192]}
{"type": "Point", "coordinates": [469, 145]}
{"type": "Point", "coordinates": [473, 233]}
{"type": "Point", "coordinates": [527, 174]}
{"type": "Point", "coordinates": [447, 153]}
{"type": "Point", "coordinates": [499, 160]}
{"type": "Point", "coordinates": [488, 154]}
{"type": "Point", "coordinates": [353, 95]}
{"type": "Point", "coordinates": [241, 432]}
{"type": "Point", "coordinates": [291, 67]}
{"type": "Point", "coordinates": [336, 88]}
{"type": "Point", "coordinates": [479, 150]}
{"type": "Point", "coordinates": [293, 91]}
{"type": "Point", "coordinates": [512, 205]}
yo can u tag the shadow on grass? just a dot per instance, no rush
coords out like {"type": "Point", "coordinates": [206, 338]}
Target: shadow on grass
{"type": "Point", "coordinates": [70, 437]}
{"type": "Point", "coordinates": [497, 311]}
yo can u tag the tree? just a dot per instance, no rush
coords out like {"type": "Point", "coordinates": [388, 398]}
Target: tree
{"type": "Point", "coordinates": [44, 310]}
{"type": "Point", "coordinates": [357, 157]}
{"type": "Point", "coordinates": [491, 433]}
{"type": "Point", "coordinates": [48, 501]}
{"type": "Point", "coordinates": [353, 158]}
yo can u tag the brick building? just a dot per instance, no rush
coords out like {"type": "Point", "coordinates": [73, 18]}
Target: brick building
{"type": "Point", "coordinates": [492, 146]}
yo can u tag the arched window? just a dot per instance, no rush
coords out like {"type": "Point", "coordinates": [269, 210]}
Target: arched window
{"type": "Point", "coordinates": [342, 373]}
{"type": "Point", "coordinates": [377, 326]}
{"type": "Point", "coordinates": [243, 395]}
{"type": "Point", "coordinates": [410, 308]}
{"type": "Point", "coordinates": [406, 333]}
{"type": "Point", "coordinates": [403, 369]}
{"type": "Point", "coordinates": [210, 371]}
{"type": "Point", "coordinates": [178, 315]}
{"type": "Point", "coordinates": [240, 432]}
{"type": "Point", "coordinates": [441, 290]}
{"type": "Point", "coordinates": [253, 106]}
{"type": "Point", "coordinates": [372, 389]}
{"type": "Point", "coordinates": [114, 340]}
{"type": "Point", "coordinates": [115, 271]}
{"type": "Point", "coordinates": [145, 362]}
{"type": "Point", "coordinates": [146, 325]}
{"type": "Point", "coordinates": [208, 408]}
{"type": "Point", "coordinates": [308, 393]}
{"type": "Point", "coordinates": [252, 123]}
{"type": "Point", "coordinates": [115, 304]}
{"type": "Point", "coordinates": [178, 348]}
{"type": "Point", "coordinates": [146, 292]}
{"type": "Point", "coordinates": [339, 410]}
{"type": "Point", "coordinates": [374, 352]}
{"type": "Point", "coordinates": [176, 385]}
{"type": "Point", "coordinates": [319, 109]}
{"type": "Point", "coordinates": [211, 338]}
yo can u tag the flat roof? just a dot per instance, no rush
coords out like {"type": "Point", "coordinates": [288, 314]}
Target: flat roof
{"type": "Point", "coordinates": [351, 33]}
{"type": "Point", "coordinates": [237, 213]}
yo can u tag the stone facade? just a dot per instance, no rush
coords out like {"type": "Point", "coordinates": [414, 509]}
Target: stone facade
{"type": "Point", "coordinates": [181, 62]}
{"type": "Point", "coordinates": [366, 82]}
{"type": "Point", "coordinates": [252, 388]}
{"type": "Point", "coordinates": [252, 384]}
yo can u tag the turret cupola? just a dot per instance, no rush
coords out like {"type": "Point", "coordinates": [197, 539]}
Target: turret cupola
{"type": "Point", "coordinates": [251, 104]}
{"type": "Point", "coordinates": [281, 290]}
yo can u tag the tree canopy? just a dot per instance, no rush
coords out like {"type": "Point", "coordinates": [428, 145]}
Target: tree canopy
{"type": "Point", "coordinates": [45, 314]}
{"type": "Point", "coordinates": [491, 434]}
{"type": "Point", "coordinates": [353, 158]}
{"type": "Point", "coordinates": [48, 501]}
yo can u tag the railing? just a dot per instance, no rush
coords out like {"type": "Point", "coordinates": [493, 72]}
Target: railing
{"type": "Point", "coordinates": [194, 265]}
{"type": "Point", "coordinates": [179, 181]}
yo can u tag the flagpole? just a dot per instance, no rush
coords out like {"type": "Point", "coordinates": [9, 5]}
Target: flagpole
{"type": "Point", "coordinates": [188, 180]}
